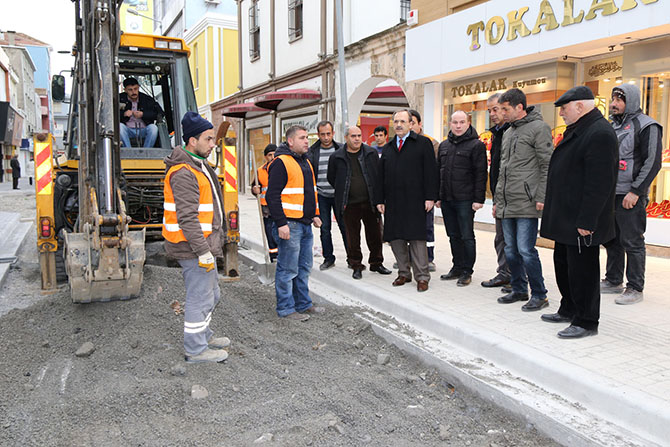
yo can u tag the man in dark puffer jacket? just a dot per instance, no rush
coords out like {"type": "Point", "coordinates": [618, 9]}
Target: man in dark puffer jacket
{"type": "Point", "coordinates": [462, 165]}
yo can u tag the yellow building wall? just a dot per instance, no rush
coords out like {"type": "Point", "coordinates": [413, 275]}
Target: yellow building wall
{"type": "Point", "coordinates": [231, 67]}
{"type": "Point", "coordinates": [198, 53]}
{"type": "Point", "coordinates": [217, 75]}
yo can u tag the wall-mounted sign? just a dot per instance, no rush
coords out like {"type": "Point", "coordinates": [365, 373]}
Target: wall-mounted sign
{"type": "Point", "coordinates": [493, 85]}
{"type": "Point", "coordinates": [515, 25]}
{"type": "Point", "coordinates": [603, 68]}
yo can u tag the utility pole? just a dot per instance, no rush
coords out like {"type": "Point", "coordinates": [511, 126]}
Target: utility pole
{"type": "Point", "coordinates": [340, 62]}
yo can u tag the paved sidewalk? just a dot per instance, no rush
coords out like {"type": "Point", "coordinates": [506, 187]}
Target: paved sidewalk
{"type": "Point", "coordinates": [628, 360]}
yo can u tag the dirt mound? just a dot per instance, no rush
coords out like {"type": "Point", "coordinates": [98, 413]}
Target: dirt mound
{"type": "Point", "coordinates": [322, 382]}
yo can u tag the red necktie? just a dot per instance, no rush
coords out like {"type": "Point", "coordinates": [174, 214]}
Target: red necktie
{"type": "Point", "coordinates": [400, 144]}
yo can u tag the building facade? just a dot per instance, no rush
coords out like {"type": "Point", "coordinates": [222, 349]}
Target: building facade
{"type": "Point", "coordinates": [544, 47]}
{"type": "Point", "coordinates": [289, 71]}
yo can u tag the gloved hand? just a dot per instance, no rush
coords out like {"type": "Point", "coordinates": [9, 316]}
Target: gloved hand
{"type": "Point", "coordinates": [207, 261]}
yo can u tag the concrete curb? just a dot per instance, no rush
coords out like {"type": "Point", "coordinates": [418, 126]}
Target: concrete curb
{"type": "Point", "coordinates": [615, 412]}
{"type": "Point", "coordinates": [16, 231]}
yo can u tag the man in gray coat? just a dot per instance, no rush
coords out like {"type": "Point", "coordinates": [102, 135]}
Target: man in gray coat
{"type": "Point", "coordinates": [519, 199]}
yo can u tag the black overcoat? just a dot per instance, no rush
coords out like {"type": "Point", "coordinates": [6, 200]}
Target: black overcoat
{"type": "Point", "coordinates": [581, 182]}
{"type": "Point", "coordinates": [407, 178]}
{"type": "Point", "coordinates": [339, 174]}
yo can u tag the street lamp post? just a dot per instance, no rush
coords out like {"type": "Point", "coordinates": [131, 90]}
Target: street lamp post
{"type": "Point", "coordinates": [160, 24]}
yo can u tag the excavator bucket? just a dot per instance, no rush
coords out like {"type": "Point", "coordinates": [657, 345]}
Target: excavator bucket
{"type": "Point", "coordinates": [105, 273]}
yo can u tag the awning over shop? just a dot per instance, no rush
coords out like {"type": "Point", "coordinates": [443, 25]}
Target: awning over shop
{"type": "Point", "coordinates": [392, 91]}
{"type": "Point", "coordinates": [246, 110]}
{"type": "Point", "coordinates": [287, 99]}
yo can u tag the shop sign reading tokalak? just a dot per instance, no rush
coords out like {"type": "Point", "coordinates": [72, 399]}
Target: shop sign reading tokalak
{"type": "Point", "coordinates": [496, 27]}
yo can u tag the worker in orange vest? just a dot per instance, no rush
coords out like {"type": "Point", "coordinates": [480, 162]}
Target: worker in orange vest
{"type": "Point", "coordinates": [294, 207]}
{"type": "Point", "coordinates": [193, 228]}
{"type": "Point", "coordinates": [261, 188]}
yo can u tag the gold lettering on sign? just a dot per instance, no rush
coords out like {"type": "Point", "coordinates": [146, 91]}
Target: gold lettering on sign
{"type": "Point", "coordinates": [630, 4]}
{"type": "Point", "coordinates": [491, 37]}
{"type": "Point", "coordinates": [546, 18]}
{"type": "Point", "coordinates": [475, 29]}
{"type": "Point", "coordinates": [516, 25]}
{"type": "Point", "coordinates": [569, 13]}
{"type": "Point", "coordinates": [608, 7]}
{"type": "Point", "coordinates": [479, 87]}
{"type": "Point", "coordinates": [495, 27]}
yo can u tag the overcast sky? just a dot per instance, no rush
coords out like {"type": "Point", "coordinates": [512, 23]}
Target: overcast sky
{"type": "Point", "coordinates": [51, 21]}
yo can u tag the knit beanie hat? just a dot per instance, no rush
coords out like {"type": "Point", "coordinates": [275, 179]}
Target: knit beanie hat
{"type": "Point", "coordinates": [193, 125]}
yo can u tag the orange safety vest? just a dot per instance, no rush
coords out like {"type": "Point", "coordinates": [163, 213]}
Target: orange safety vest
{"type": "Point", "coordinates": [293, 194]}
{"type": "Point", "coordinates": [171, 230]}
{"type": "Point", "coordinates": [263, 180]}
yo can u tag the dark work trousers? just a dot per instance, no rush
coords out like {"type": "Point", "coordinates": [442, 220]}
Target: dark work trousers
{"type": "Point", "coordinates": [578, 278]}
{"type": "Point", "coordinates": [416, 250]}
{"type": "Point", "coordinates": [459, 220]}
{"type": "Point", "coordinates": [272, 244]}
{"type": "Point", "coordinates": [15, 182]}
{"type": "Point", "coordinates": [499, 244]}
{"type": "Point", "coordinates": [326, 208]}
{"type": "Point", "coordinates": [628, 248]}
{"type": "Point", "coordinates": [353, 216]}
{"type": "Point", "coordinates": [430, 234]}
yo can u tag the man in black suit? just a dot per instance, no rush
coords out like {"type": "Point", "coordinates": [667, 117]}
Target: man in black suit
{"type": "Point", "coordinates": [579, 209]}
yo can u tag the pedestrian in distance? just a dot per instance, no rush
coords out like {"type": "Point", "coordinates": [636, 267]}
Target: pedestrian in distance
{"type": "Point", "coordinates": [503, 275]}
{"type": "Point", "coordinates": [16, 171]}
{"type": "Point", "coordinates": [193, 228]}
{"type": "Point", "coordinates": [640, 155]}
{"type": "Point", "coordinates": [519, 199]}
{"type": "Point", "coordinates": [260, 189]}
{"type": "Point", "coordinates": [461, 163]}
{"type": "Point", "coordinates": [353, 171]}
{"type": "Point", "coordinates": [292, 200]}
{"type": "Point", "coordinates": [417, 127]}
{"type": "Point", "coordinates": [406, 192]}
{"type": "Point", "coordinates": [319, 154]}
{"type": "Point", "coordinates": [578, 212]}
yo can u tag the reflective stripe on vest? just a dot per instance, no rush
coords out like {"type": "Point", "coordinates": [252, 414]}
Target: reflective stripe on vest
{"type": "Point", "coordinates": [263, 180]}
{"type": "Point", "coordinates": [171, 230]}
{"type": "Point", "coordinates": [293, 194]}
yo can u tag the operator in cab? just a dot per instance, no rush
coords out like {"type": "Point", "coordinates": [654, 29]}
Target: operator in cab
{"type": "Point", "coordinates": [138, 115]}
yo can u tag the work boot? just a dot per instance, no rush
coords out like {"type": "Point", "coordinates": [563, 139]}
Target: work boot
{"type": "Point", "coordinates": [609, 287]}
{"type": "Point", "coordinates": [297, 317]}
{"type": "Point", "coordinates": [513, 297]}
{"type": "Point", "coordinates": [452, 274]}
{"type": "Point", "coordinates": [314, 310]}
{"type": "Point", "coordinates": [218, 342]}
{"type": "Point", "coordinates": [208, 355]}
{"type": "Point", "coordinates": [629, 296]}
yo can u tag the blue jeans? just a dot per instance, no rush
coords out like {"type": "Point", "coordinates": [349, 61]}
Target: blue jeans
{"type": "Point", "coordinates": [326, 207]}
{"type": "Point", "coordinates": [294, 263]}
{"type": "Point", "coordinates": [520, 237]}
{"type": "Point", "coordinates": [147, 134]}
{"type": "Point", "coordinates": [459, 221]}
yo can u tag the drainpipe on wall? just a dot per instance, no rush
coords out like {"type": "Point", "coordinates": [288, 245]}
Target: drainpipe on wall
{"type": "Point", "coordinates": [340, 62]}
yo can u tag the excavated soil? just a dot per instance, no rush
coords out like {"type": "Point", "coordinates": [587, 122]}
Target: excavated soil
{"type": "Point", "coordinates": [317, 383]}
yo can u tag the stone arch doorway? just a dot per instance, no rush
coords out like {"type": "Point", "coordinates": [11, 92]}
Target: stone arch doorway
{"type": "Point", "coordinates": [373, 102]}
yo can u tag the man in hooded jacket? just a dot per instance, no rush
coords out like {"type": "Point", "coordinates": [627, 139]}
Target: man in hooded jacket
{"type": "Point", "coordinates": [193, 225]}
{"type": "Point", "coordinates": [640, 149]}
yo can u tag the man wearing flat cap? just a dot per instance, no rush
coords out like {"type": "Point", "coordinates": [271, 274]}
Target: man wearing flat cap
{"type": "Point", "coordinates": [579, 209]}
{"type": "Point", "coordinates": [193, 228]}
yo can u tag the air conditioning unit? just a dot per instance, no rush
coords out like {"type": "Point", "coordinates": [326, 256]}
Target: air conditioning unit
{"type": "Point", "coordinates": [413, 17]}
